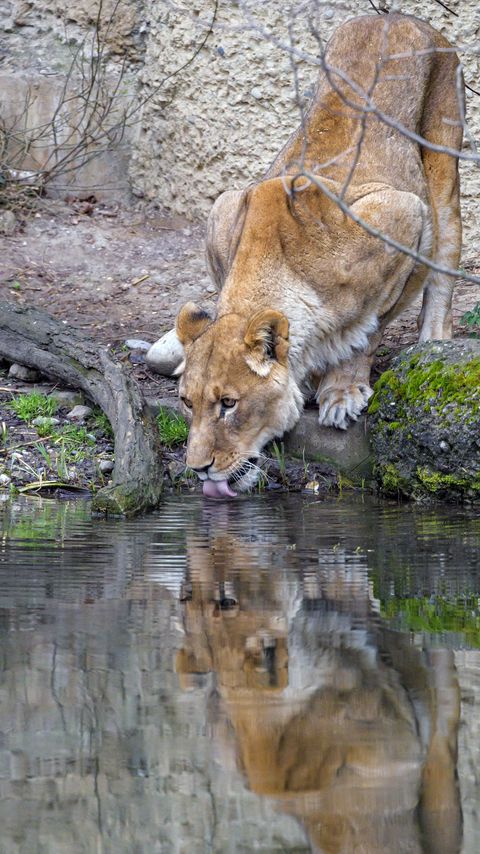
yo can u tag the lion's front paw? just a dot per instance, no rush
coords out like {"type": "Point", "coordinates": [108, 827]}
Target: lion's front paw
{"type": "Point", "coordinates": [338, 406]}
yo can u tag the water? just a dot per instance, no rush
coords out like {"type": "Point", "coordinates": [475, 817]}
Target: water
{"type": "Point", "coordinates": [273, 674]}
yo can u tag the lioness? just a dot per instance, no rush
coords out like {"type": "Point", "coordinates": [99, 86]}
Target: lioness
{"type": "Point", "coordinates": [304, 288]}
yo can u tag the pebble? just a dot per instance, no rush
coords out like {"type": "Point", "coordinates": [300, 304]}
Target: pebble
{"type": "Point", "coordinates": [68, 398]}
{"type": "Point", "coordinates": [175, 469]}
{"type": "Point", "coordinates": [79, 413]}
{"type": "Point", "coordinates": [166, 354]}
{"type": "Point", "coordinates": [5, 480]}
{"type": "Point", "coordinates": [20, 372]}
{"type": "Point", "coordinates": [42, 420]}
{"type": "Point", "coordinates": [8, 223]}
{"type": "Point", "coordinates": [106, 466]}
{"type": "Point", "coordinates": [137, 344]}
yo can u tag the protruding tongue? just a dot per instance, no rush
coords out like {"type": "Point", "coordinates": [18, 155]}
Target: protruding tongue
{"type": "Point", "coordinates": [217, 489]}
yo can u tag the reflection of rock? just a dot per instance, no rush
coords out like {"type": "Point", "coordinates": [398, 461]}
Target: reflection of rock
{"type": "Point", "coordinates": [425, 422]}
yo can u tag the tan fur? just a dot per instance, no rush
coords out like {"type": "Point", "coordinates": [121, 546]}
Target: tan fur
{"type": "Point", "coordinates": [356, 739]}
{"type": "Point", "coordinates": [282, 246]}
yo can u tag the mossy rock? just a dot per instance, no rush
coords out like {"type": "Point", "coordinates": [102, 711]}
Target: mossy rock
{"type": "Point", "coordinates": [424, 419]}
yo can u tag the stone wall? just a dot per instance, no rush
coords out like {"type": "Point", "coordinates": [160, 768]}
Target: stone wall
{"type": "Point", "coordinates": [219, 121]}
{"type": "Point", "coordinates": [48, 72]}
{"type": "Point", "coordinates": [213, 104]}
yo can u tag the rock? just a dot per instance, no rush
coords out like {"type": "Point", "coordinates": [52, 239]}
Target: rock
{"type": "Point", "coordinates": [166, 354]}
{"type": "Point", "coordinates": [137, 344]}
{"type": "Point", "coordinates": [176, 469]}
{"type": "Point", "coordinates": [347, 450]}
{"type": "Point", "coordinates": [79, 413]}
{"type": "Point", "coordinates": [43, 420]}
{"type": "Point", "coordinates": [68, 398]}
{"type": "Point", "coordinates": [5, 480]}
{"type": "Point", "coordinates": [155, 404]}
{"type": "Point", "coordinates": [20, 372]}
{"type": "Point", "coordinates": [106, 466]}
{"type": "Point", "coordinates": [425, 422]}
{"type": "Point", "coordinates": [8, 223]}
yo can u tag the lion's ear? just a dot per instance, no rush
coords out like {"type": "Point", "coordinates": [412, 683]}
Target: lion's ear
{"type": "Point", "coordinates": [266, 339]}
{"type": "Point", "coordinates": [191, 321]}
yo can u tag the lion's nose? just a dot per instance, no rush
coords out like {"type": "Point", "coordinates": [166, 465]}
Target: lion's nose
{"type": "Point", "coordinates": [202, 469]}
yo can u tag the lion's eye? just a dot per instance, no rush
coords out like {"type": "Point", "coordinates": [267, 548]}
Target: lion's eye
{"type": "Point", "coordinates": [186, 402]}
{"type": "Point", "coordinates": [228, 402]}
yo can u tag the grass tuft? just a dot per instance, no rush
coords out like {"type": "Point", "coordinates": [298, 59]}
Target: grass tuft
{"type": "Point", "coordinates": [173, 428]}
{"type": "Point", "coordinates": [30, 406]}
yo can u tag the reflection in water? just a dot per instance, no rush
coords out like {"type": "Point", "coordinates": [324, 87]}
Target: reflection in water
{"type": "Point", "coordinates": [235, 678]}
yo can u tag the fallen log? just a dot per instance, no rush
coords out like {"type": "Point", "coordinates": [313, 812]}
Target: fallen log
{"type": "Point", "coordinates": [35, 339]}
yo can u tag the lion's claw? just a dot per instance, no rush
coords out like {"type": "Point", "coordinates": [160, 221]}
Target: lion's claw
{"type": "Point", "coordinates": [338, 406]}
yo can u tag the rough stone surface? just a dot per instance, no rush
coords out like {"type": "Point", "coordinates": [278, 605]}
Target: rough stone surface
{"type": "Point", "coordinates": [20, 372]}
{"type": "Point", "coordinates": [348, 450]}
{"type": "Point", "coordinates": [166, 354]}
{"type": "Point", "coordinates": [220, 121]}
{"type": "Point", "coordinates": [425, 422]}
{"type": "Point", "coordinates": [79, 413]}
{"type": "Point", "coordinates": [8, 223]}
{"type": "Point", "coordinates": [68, 398]}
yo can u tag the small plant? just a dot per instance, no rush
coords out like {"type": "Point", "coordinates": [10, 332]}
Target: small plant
{"type": "Point", "coordinates": [46, 428]}
{"type": "Point", "coordinates": [472, 320]}
{"type": "Point", "coordinates": [30, 406]}
{"type": "Point", "coordinates": [173, 428]}
{"type": "Point", "coordinates": [100, 422]}
{"type": "Point", "coordinates": [279, 454]}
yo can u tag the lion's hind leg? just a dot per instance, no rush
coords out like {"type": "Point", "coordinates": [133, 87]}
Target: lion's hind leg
{"type": "Point", "coordinates": [442, 125]}
{"type": "Point", "coordinates": [435, 319]}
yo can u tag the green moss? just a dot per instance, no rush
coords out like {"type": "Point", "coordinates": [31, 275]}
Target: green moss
{"type": "Point", "coordinates": [435, 481]}
{"type": "Point", "coordinates": [460, 615]}
{"type": "Point", "coordinates": [452, 390]}
{"type": "Point", "coordinates": [388, 384]}
{"type": "Point", "coordinates": [392, 480]}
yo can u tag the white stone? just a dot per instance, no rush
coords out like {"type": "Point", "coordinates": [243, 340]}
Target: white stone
{"type": "Point", "coordinates": [20, 372]}
{"type": "Point", "coordinates": [137, 344]}
{"type": "Point", "coordinates": [79, 413]}
{"type": "Point", "coordinates": [166, 354]}
{"type": "Point", "coordinates": [5, 480]}
{"type": "Point", "coordinates": [42, 420]}
{"type": "Point", "coordinates": [106, 466]}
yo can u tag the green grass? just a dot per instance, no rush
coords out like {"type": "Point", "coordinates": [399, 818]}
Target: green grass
{"type": "Point", "coordinates": [30, 406]}
{"type": "Point", "coordinates": [459, 615]}
{"type": "Point", "coordinates": [173, 428]}
{"type": "Point", "coordinates": [472, 320]}
{"type": "Point", "coordinates": [100, 422]}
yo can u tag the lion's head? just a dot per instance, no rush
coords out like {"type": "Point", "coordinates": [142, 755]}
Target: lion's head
{"type": "Point", "coordinates": [237, 391]}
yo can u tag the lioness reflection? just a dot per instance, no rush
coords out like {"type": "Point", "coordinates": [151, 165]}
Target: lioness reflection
{"type": "Point", "coordinates": [347, 725]}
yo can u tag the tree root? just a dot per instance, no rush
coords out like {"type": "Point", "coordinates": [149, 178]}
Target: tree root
{"type": "Point", "coordinates": [34, 338]}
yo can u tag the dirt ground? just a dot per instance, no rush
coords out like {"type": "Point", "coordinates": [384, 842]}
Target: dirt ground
{"type": "Point", "coordinates": [118, 274]}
